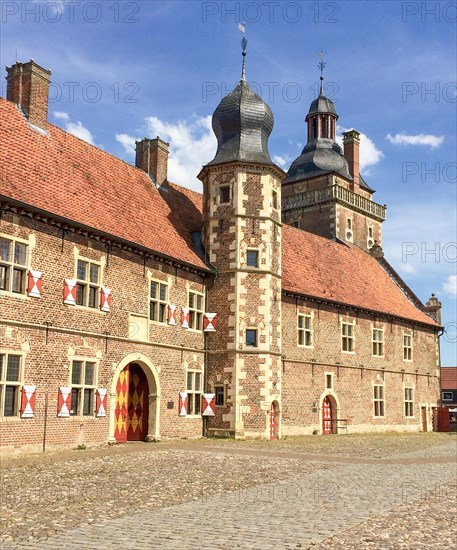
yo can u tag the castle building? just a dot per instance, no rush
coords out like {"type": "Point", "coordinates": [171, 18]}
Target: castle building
{"type": "Point", "coordinates": [134, 309]}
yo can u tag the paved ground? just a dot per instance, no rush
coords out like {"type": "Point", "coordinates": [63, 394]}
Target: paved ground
{"type": "Point", "coordinates": [372, 491]}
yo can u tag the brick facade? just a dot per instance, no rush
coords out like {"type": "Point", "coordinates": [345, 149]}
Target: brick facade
{"type": "Point", "coordinates": [143, 242]}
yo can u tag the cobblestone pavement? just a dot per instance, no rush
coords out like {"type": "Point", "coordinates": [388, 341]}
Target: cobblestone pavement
{"type": "Point", "coordinates": [213, 494]}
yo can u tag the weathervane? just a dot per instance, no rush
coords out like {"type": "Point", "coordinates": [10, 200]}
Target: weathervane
{"type": "Point", "coordinates": [244, 44]}
{"type": "Point", "coordinates": [321, 66]}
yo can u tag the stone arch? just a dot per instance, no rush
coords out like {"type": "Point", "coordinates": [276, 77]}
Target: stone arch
{"type": "Point", "coordinates": [152, 375]}
{"type": "Point", "coordinates": [335, 409]}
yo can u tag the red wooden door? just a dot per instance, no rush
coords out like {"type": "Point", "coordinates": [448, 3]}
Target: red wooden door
{"type": "Point", "coordinates": [327, 423]}
{"type": "Point", "coordinates": [424, 419]}
{"type": "Point", "coordinates": [131, 412]}
{"type": "Point", "coordinates": [138, 404]}
{"type": "Point", "coordinates": [274, 418]}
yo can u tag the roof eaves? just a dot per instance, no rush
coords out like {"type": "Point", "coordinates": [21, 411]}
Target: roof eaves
{"type": "Point", "coordinates": [96, 232]}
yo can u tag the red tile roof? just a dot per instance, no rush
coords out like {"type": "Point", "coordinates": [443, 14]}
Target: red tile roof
{"type": "Point", "coordinates": [66, 176]}
{"type": "Point", "coordinates": [449, 378]}
{"type": "Point", "coordinates": [322, 268]}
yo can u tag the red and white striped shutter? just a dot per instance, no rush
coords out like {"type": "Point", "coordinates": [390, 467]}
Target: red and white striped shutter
{"type": "Point", "coordinates": [209, 322]}
{"type": "Point", "coordinates": [64, 402]}
{"type": "Point", "coordinates": [105, 299]}
{"type": "Point", "coordinates": [171, 314]}
{"type": "Point", "coordinates": [69, 292]}
{"type": "Point", "coordinates": [208, 404]}
{"type": "Point", "coordinates": [100, 402]}
{"type": "Point", "coordinates": [34, 284]}
{"type": "Point", "coordinates": [185, 317]}
{"type": "Point", "coordinates": [28, 399]}
{"type": "Point", "coordinates": [183, 402]}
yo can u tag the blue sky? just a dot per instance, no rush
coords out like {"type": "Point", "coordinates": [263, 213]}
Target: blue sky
{"type": "Point", "coordinates": [126, 70]}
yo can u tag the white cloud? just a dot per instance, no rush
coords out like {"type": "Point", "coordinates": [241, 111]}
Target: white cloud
{"type": "Point", "coordinates": [192, 144]}
{"type": "Point", "coordinates": [75, 128]}
{"type": "Point", "coordinates": [408, 268]}
{"type": "Point", "coordinates": [450, 286]}
{"type": "Point", "coordinates": [418, 139]}
{"type": "Point", "coordinates": [369, 153]}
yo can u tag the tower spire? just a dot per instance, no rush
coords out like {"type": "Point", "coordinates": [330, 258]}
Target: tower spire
{"type": "Point", "coordinates": [321, 66]}
{"type": "Point", "coordinates": [244, 44]}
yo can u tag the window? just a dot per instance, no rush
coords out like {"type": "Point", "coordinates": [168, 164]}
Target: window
{"type": "Point", "coordinates": [251, 337]}
{"type": "Point", "coordinates": [252, 258]}
{"type": "Point", "coordinates": [13, 260]}
{"type": "Point", "coordinates": [88, 284]}
{"type": "Point", "coordinates": [194, 391]}
{"type": "Point", "coordinates": [10, 384]}
{"type": "Point", "coordinates": [370, 232]}
{"type": "Point", "coordinates": [349, 229]}
{"type": "Point", "coordinates": [447, 396]}
{"type": "Point", "coordinates": [378, 400]}
{"type": "Point", "coordinates": [83, 388]}
{"type": "Point", "coordinates": [305, 330]}
{"type": "Point", "coordinates": [195, 310]}
{"type": "Point", "coordinates": [158, 302]}
{"type": "Point", "coordinates": [225, 193]}
{"type": "Point", "coordinates": [274, 198]}
{"type": "Point", "coordinates": [349, 224]}
{"type": "Point", "coordinates": [347, 337]}
{"type": "Point", "coordinates": [378, 342]}
{"type": "Point", "coordinates": [220, 395]}
{"type": "Point", "coordinates": [407, 347]}
{"type": "Point", "coordinates": [329, 381]}
{"type": "Point", "coordinates": [409, 402]}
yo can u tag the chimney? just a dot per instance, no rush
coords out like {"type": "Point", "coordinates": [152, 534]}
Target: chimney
{"type": "Point", "coordinates": [433, 307]}
{"type": "Point", "coordinates": [152, 157]}
{"type": "Point", "coordinates": [28, 87]}
{"type": "Point", "coordinates": [351, 143]}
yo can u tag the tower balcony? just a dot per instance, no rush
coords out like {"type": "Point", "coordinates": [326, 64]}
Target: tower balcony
{"type": "Point", "coordinates": [338, 194]}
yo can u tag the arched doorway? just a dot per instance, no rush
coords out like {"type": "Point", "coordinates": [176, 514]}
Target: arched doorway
{"type": "Point", "coordinates": [274, 421]}
{"type": "Point", "coordinates": [327, 416]}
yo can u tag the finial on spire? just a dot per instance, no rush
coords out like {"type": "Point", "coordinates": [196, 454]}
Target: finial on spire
{"type": "Point", "coordinates": [321, 66]}
{"type": "Point", "coordinates": [244, 44]}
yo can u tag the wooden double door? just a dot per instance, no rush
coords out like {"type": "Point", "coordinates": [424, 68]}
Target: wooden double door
{"type": "Point", "coordinates": [131, 415]}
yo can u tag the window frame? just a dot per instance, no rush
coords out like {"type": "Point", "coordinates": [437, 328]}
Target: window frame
{"type": "Point", "coordinates": [10, 266]}
{"type": "Point", "coordinates": [225, 188]}
{"type": "Point", "coordinates": [194, 394]}
{"type": "Point", "coordinates": [255, 332]}
{"type": "Point", "coordinates": [379, 401]}
{"type": "Point", "coordinates": [160, 306]}
{"type": "Point", "coordinates": [328, 377]}
{"type": "Point", "coordinates": [350, 338]}
{"type": "Point", "coordinates": [221, 388]}
{"type": "Point", "coordinates": [304, 331]}
{"type": "Point", "coordinates": [447, 398]}
{"type": "Point", "coordinates": [407, 348]}
{"type": "Point", "coordinates": [408, 401]}
{"type": "Point", "coordinates": [80, 389]}
{"type": "Point", "coordinates": [377, 346]}
{"type": "Point", "coordinates": [87, 285]}
{"type": "Point", "coordinates": [16, 384]}
{"type": "Point", "coordinates": [195, 313]}
{"type": "Point", "coordinates": [252, 251]}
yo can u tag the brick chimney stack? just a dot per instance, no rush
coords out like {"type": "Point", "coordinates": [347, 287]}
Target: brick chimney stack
{"type": "Point", "coordinates": [351, 143]}
{"type": "Point", "coordinates": [152, 157]}
{"type": "Point", "coordinates": [28, 87]}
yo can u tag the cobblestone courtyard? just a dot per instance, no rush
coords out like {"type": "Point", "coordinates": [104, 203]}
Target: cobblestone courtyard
{"type": "Point", "coordinates": [354, 491]}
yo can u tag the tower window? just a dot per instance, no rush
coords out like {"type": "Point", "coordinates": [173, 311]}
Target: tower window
{"type": "Point", "coordinates": [251, 337]}
{"type": "Point", "coordinates": [370, 232]}
{"type": "Point", "coordinates": [274, 198]}
{"type": "Point", "coordinates": [252, 258]}
{"type": "Point", "coordinates": [225, 194]}
{"type": "Point", "coordinates": [349, 224]}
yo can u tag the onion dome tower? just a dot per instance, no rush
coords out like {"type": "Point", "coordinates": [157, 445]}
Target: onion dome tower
{"type": "Point", "coordinates": [324, 192]}
{"type": "Point", "coordinates": [321, 154]}
{"type": "Point", "coordinates": [242, 241]}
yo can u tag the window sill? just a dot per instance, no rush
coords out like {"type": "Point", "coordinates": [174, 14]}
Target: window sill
{"type": "Point", "coordinates": [91, 309]}
{"type": "Point", "coordinates": [20, 295]}
{"type": "Point", "coordinates": [13, 418]}
{"type": "Point", "coordinates": [302, 346]}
